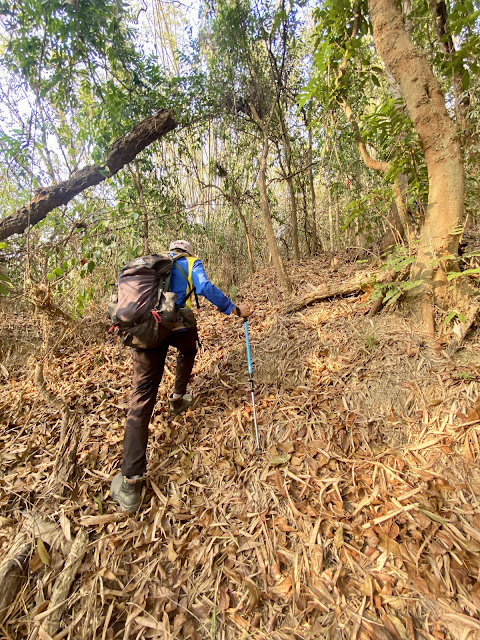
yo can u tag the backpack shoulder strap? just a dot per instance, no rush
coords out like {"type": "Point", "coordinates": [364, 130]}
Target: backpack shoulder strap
{"type": "Point", "coordinates": [165, 277]}
{"type": "Point", "coordinates": [191, 261]}
{"type": "Point", "coordinates": [188, 277]}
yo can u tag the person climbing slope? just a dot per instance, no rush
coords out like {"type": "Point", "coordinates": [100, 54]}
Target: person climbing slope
{"type": "Point", "coordinates": [148, 367]}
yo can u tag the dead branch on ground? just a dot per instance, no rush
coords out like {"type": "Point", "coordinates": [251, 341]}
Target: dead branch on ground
{"type": "Point", "coordinates": [332, 290]}
{"type": "Point", "coordinates": [63, 583]}
{"type": "Point", "coordinates": [461, 330]}
{"type": "Point", "coordinates": [69, 434]}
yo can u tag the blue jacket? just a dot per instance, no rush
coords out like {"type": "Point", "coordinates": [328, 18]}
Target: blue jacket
{"type": "Point", "coordinates": [202, 285]}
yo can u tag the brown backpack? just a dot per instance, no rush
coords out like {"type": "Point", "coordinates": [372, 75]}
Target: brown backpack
{"type": "Point", "coordinates": [144, 310]}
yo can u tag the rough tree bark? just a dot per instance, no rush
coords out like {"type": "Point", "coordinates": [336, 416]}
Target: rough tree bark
{"type": "Point", "coordinates": [313, 195]}
{"type": "Point", "coordinates": [121, 152]}
{"type": "Point", "coordinates": [445, 40]}
{"type": "Point", "coordinates": [287, 151]}
{"type": "Point", "coordinates": [399, 186]}
{"type": "Point", "coordinates": [137, 183]}
{"type": "Point", "coordinates": [438, 135]}
{"type": "Point", "coordinates": [285, 282]}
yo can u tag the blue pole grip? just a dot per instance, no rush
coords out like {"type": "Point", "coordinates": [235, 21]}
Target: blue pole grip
{"type": "Point", "coordinates": [249, 359]}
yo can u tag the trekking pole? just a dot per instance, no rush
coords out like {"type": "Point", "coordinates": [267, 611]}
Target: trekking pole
{"type": "Point", "coordinates": [250, 378]}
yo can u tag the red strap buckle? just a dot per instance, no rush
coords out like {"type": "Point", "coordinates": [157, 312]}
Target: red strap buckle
{"type": "Point", "coordinates": [113, 328]}
{"type": "Point", "coordinates": [157, 316]}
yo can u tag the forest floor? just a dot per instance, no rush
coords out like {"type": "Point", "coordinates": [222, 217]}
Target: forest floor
{"type": "Point", "coordinates": [359, 519]}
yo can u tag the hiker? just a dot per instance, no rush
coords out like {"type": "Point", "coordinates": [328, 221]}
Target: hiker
{"type": "Point", "coordinates": [148, 365]}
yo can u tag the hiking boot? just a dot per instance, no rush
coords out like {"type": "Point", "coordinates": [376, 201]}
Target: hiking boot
{"type": "Point", "coordinates": [127, 492]}
{"type": "Point", "coordinates": [179, 405]}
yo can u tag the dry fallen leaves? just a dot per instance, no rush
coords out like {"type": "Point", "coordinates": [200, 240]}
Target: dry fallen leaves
{"type": "Point", "coordinates": [360, 519]}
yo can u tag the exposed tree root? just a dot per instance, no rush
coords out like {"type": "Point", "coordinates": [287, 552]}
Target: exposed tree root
{"type": "Point", "coordinates": [13, 570]}
{"type": "Point", "coordinates": [63, 583]}
{"type": "Point", "coordinates": [378, 302]}
{"type": "Point", "coordinates": [375, 308]}
{"type": "Point", "coordinates": [69, 435]}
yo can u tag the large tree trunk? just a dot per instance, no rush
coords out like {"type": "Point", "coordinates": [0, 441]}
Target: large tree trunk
{"type": "Point", "coordinates": [282, 275]}
{"type": "Point", "coordinates": [267, 218]}
{"type": "Point", "coordinates": [248, 238]}
{"type": "Point", "coordinates": [121, 152]}
{"type": "Point", "coordinates": [291, 189]}
{"type": "Point", "coordinates": [312, 192]}
{"type": "Point", "coordinates": [439, 139]}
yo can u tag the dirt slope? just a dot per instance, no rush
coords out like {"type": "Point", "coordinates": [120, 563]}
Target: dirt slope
{"type": "Point", "coordinates": [359, 519]}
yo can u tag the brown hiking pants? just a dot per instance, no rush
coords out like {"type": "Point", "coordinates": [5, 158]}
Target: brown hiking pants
{"type": "Point", "coordinates": [148, 366]}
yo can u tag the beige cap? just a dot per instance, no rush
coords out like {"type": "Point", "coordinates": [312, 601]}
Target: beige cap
{"type": "Point", "coordinates": [181, 245]}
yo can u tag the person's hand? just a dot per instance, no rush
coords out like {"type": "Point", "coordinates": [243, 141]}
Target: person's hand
{"type": "Point", "coordinates": [243, 310]}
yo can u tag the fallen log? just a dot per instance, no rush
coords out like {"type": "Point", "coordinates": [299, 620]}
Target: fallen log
{"type": "Point", "coordinates": [332, 290]}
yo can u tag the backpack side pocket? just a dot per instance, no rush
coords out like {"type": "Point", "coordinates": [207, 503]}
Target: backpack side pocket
{"type": "Point", "coordinates": [188, 317]}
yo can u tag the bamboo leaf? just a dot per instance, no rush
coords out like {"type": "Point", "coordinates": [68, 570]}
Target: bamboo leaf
{"type": "Point", "coordinates": [42, 552]}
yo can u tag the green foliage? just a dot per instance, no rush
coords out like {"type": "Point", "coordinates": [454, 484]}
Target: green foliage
{"type": "Point", "coordinates": [457, 274]}
{"type": "Point", "coordinates": [341, 60]}
{"type": "Point", "coordinates": [398, 260]}
{"type": "Point", "coordinates": [462, 27]}
{"type": "Point", "coordinates": [56, 45]}
{"type": "Point", "coordinates": [464, 375]}
{"type": "Point", "coordinates": [389, 128]}
{"type": "Point", "coordinates": [457, 315]}
{"type": "Point", "coordinates": [390, 292]}
{"type": "Point", "coordinates": [370, 341]}
{"type": "Point", "coordinates": [5, 284]}
{"type": "Point", "coordinates": [368, 210]}
{"type": "Point", "coordinates": [233, 293]}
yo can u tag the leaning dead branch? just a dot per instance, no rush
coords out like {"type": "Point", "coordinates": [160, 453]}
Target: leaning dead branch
{"type": "Point", "coordinates": [121, 152]}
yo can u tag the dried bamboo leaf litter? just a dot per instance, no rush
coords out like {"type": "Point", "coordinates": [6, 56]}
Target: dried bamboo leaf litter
{"type": "Point", "coordinates": [360, 519]}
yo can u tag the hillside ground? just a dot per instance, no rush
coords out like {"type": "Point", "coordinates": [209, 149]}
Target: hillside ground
{"type": "Point", "coordinates": [359, 518]}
